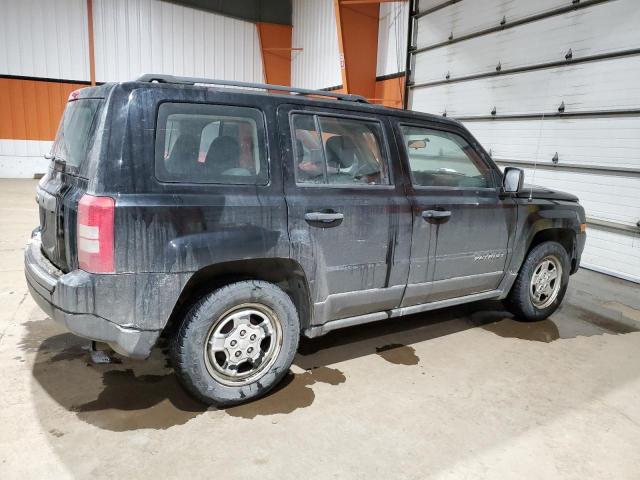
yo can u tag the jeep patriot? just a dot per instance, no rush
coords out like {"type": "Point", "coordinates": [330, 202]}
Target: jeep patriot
{"type": "Point", "coordinates": [234, 220]}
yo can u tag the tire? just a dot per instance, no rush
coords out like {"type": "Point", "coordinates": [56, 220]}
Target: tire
{"type": "Point", "coordinates": [529, 303]}
{"type": "Point", "coordinates": [236, 313]}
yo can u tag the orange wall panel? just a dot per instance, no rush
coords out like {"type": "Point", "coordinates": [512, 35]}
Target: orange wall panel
{"type": "Point", "coordinates": [275, 44]}
{"type": "Point", "coordinates": [357, 26]}
{"type": "Point", "coordinates": [31, 109]}
{"type": "Point", "coordinates": [390, 92]}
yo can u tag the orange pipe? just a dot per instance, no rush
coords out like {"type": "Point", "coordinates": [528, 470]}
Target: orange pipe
{"type": "Point", "coordinates": [92, 58]}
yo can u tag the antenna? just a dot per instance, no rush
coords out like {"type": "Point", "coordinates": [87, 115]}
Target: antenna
{"type": "Point", "coordinates": [535, 162]}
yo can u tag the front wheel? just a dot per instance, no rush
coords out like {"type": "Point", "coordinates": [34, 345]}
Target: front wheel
{"type": "Point", "coordinates": [236, 343]}
{"type": "Point", "coordinates": [541, 283]}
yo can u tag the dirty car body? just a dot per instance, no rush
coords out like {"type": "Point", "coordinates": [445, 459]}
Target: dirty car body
{"type": "Point", "coordinates": [349, 208]}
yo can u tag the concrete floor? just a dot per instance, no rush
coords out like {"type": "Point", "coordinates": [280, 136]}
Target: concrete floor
{"type": "Point", "coordinates": [460, 393]}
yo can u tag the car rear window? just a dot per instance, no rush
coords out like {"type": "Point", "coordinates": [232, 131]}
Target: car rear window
{"type": "Point", "coordinates": [199, 143]}
{"type": "Point", "coordinates": [75, 132]}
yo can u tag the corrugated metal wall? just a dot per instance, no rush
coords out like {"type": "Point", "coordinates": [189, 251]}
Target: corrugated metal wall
{"type": "Point", "coordinates": [499, 65]}
{"type": "Point", "coordinates": [314, 30]}
{"type": "Point", "coordinates": [392, 38]}
{"type": "Point", "coordinates": [38, 39]}
{"type": "Point", "coordinates": [46, 39]}
{"type": "Point", "coordinates": [50, 40]}
{"type": "Point", "coordinates": [143, 36]}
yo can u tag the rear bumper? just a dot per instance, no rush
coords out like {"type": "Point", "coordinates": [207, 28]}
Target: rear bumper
{"type": "Point", "coordinates": [70, 299]}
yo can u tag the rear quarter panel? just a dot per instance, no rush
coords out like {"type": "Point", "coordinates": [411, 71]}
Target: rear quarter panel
{"type": "Point", "coordinates": [181, 227]}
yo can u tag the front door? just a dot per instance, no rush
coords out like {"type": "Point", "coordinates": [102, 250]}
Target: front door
{"type": "Point", "coordinates": [349, 222]}
{"type": "Point", "coordinates": [461, 224]}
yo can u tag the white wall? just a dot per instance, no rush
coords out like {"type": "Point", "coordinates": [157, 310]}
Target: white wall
{"type": "Point", "coordinates": [314, 30]}
{"type": "Point", "coordinates": [392, 38]}
{"type": "Point", "coordinates": [133, 37]}
{"type": "Point", "coordinates": [40, 38]}
{"type": "Point", "coordinates": [23, 158]}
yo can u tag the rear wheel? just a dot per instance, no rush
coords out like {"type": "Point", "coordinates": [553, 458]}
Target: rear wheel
{"type": "Point", "coordinates": [541, 283]}
{"type": "Point", "coordinates": [236, 343]}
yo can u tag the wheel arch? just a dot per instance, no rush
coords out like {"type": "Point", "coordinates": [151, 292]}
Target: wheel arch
{"type": "Point", "coordinates": [284, 272]}
{"type": "Point", "coordinates": [562, 235]}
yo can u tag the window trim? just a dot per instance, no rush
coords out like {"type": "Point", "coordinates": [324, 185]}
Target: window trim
{"type": "Point", "coordinates": [400, 124]}
{"type": "Point", "coordinates": [385, 151]}
{"type": "Point", "coordinates": [267, 150]}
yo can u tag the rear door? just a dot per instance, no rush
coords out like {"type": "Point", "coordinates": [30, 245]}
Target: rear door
{"type": "Point", "coordinates": [349, 218]}
{"type": "Point", "coordinates": [60, 189]}
{"type": "Point", "coordinates": [461, 225]}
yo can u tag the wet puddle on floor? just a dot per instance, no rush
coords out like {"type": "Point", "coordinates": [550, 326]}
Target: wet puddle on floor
{"type": "Point", "coordinates": [398, 354]}
{"type": "Point", "coordinates": [119, 396]}
{"type": "Point", "coordinates": [627, 311]}
{"type": "Point", "coordinates": [570, 321]}
{"type": "Point", "coordinates": [543, 331]}
{"type": "Point", "coordinates": [131, 402]}
{"type": "Point", "coordinates": [129, 395]}
{"type": "Point", "coordinates": [293, 392]}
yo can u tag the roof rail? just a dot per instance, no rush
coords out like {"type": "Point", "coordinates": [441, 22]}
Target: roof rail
{"type": "Point", "coordinates": [160, 78]}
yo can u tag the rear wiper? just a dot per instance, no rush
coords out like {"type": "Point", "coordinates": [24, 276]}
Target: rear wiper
{"type": "Point", "coordinates": [59, 164]}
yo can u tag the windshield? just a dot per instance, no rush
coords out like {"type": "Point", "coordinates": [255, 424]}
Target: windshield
{"type": "Point", "coordinates": [74, 133]}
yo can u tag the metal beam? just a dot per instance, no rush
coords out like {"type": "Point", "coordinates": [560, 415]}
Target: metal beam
{"type": "Point", "coordinates": [614, 226]}
{"type": "Point", "coordinates": [556, 115]}
{"type": "Point", "coordinates": [597, 169]}
{"type": "Point", "coordinates": [269, 11]}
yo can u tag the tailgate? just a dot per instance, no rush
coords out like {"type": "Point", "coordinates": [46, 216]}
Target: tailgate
{"type": "Point", "coordinates": [59, 192]}
{"type": "Point", "coordinates": [58, 195]}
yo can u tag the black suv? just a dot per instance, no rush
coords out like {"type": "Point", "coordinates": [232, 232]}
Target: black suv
{"type": "Point", "coordinates": [233, 220]}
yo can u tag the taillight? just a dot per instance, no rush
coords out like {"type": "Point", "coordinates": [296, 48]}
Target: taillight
{"type": "Point", "coordinates": [95, 234]}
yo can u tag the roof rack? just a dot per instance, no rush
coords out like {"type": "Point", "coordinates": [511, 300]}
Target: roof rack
{"type": "Point", "coordinates": [160, 78]}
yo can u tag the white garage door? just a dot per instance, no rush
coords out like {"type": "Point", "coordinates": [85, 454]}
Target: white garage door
{"type": "Point", "coordinates": [550, 84]}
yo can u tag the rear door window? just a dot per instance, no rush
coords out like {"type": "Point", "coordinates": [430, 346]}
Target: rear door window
{"type": "Point", "coordinates": [338, 151]}
{"type": "Point", "coordinates": [198, 143]}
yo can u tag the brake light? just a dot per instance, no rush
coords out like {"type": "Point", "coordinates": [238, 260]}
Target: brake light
{"type": "Point", "coordinates": [95, 234]}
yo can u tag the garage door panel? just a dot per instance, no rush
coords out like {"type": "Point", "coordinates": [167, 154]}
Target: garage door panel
{"type": "Point", "coordinates": [598, 150]}
{"type": "Point", "coordinates": [602, 142]}
{"type": "Point", "coordinates": [466, 17]}
{"type": "Point", "coordinates": [424, 5]}
{"type": "Point", "coordinates": [606, 197]}
{"type": "Point", "coordinates": [603, 85]}
{"type": "Point", "coordinates": [586, 31]}
{"type": "Point", "coordinates": [613, 252]}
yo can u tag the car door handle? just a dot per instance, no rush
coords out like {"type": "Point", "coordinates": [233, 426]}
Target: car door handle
{"type": "Point", "coordinates": [325, 217]}
{"type": "Point", "coordinates": [435, 214]}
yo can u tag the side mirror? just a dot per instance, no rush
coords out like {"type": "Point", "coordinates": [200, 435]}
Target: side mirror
{"type": "Point", "coordinates": [513, 179]}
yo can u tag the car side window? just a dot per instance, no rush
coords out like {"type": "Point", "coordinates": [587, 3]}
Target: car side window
{"type": "Point", "coordinates": [338, 151]}
{"type": "Point", "coordinates": [443, 159]}
{"type": "Point", "coordinates": [198, 143]}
